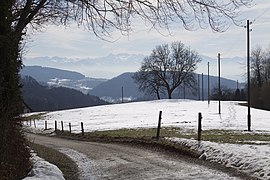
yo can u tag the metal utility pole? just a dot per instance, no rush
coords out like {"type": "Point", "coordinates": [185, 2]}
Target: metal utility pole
{"type": "Point", "coordinates": [202, 89]}
{"type": "Point", "coordinates": [248, 76]}
{"type": "Point", "coordinates": [208, 85]}
{"type": "Point", "coordinates": [122, 94]}
{"type": "Point", "coordinates": [184, 89]}
{"type": "Point", "coordinates": [219, 91]}
{"type": "Point", "coordinates": [199, 90]}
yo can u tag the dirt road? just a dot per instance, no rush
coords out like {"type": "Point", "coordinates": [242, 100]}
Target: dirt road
{"type": "Point", "coordinates": [117, 161]}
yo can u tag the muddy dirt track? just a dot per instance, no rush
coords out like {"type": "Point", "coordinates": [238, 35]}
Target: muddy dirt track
{"type": "Point", "coordinates": [119, 161]}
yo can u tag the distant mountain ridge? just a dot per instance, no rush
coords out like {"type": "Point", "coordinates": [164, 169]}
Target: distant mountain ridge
{"type": "Point", "coordinates": [61, 78]}
{"type": "Point", "coordinates": [111, 90]}
{"type": "Point", "coordinates": [113, 65]}
{"type": "Point", "coordinates": [42, 98]}
{"type": "Point", "coordinates": [45, 73]}
{"type": "Point", "coordinates": [106, 67]}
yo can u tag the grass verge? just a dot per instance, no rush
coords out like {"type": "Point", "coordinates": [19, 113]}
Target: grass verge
{"type": "Point", "coordinates": [62, 161]}
{"type": "Point", "coordinates": [220, 136]}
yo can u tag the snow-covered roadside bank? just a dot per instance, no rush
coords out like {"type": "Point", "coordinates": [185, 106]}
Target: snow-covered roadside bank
{"type": "Point", "coordinates": [251, 159]}
{"type": "Point", "coordinates": [43, 170]}
{"type": "Point", "coordinates": [86, 168]}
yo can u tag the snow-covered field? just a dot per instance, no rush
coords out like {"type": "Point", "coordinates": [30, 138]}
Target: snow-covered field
{"type": "Point", "coordinates": [252, 159]}
{"type": "Point", "coordinates": [179, 113]}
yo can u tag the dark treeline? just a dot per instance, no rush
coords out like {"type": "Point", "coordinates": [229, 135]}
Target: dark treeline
{"type": "Point", "coordinates": [228, 94]}
{"type": "Point", "coordinates": [260, 78]}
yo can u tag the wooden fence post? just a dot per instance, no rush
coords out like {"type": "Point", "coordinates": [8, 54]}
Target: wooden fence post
{"type": "Point", "coordinates": [69, 124]}
{"type": "Point", "coordinates": [35, 123]}
{"type": "Point", "coordinates": [46, 126]}
{"type": "Point", "coordinates": [159, 124]}
{"type": "Point", "coordinates": [62, 126]}
{"type": "Point", "coordinates": [199, 126]}
{"type": "Point", "coordinates": [82, 128]}
{"type": "Point", "coordinates": [55, 125]}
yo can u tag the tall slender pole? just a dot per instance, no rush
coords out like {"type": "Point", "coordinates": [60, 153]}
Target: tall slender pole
{"type": "Point", "coordinates": [219, 91]}
{"type": "Point", "coordinates": [202, 89]}
{"type": "Point", "coordinates": [184, 89]}
{"type": "Point", "coordinates": [122, 94]}
{"type": "Point", "coordinates": [199, 90]}
{"type": "Point", "coordinates": [248, 77]}
{"type": "Point", "coordinates": [208, 96]}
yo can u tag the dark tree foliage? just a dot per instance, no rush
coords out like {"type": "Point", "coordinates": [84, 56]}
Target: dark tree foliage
{"type": "Point", "coordinates": [148, 83]}
{"type": "Point", "coordinates": [167, 68]}
{"type": "Point", "coordinates": [14, 159]}
{"type": "Point", "coordinates": [228, 94]}
{"type": "Point", "coordinates": [260, 78]}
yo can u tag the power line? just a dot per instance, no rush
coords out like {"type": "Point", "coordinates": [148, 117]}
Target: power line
{"type": "Point", "coordinates": [236, 43]}
{"type": "Point", "coordinates": [259, 16]}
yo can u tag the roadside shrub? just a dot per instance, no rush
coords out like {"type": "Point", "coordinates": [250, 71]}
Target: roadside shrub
{"type": "Point", "coordinates": [15, 161]}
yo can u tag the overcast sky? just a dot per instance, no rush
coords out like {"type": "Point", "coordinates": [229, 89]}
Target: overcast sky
{"type": "Point", "coordinates": [76, 42]}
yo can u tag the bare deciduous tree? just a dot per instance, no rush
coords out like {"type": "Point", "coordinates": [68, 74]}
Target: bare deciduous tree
{"type": "Point", "coordinates": [167, 68]}
{"type": "Point", "coordinates": [257, 58]}
{"type": "Point", "coordinates": [260, 77]}
{"type": "Point", "coordinates": [100, 16]}
{"type": "Point", "coordinates": [148, 83]}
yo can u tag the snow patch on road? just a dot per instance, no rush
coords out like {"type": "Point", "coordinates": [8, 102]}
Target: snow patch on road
{"type": "Point", "coordinates": [87, 170]}
{"type": "Point", "coordinates": [251, 159]}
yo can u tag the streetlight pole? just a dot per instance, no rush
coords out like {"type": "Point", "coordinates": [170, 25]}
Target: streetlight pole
{"type": "Point", "coordinates": [248, 76]}
{"type": "Point", "coordinates": [219, 91]}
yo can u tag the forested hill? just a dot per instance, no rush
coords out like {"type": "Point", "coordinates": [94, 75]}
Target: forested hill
{"type": "Point", "coordinates": [43, 98]}
{"type": "Point", "coordinates": [44, 74]}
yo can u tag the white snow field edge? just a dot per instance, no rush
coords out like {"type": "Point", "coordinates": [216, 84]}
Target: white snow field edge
{"type": "Point", "coordinates": [43, 170]}
{"type": "Point", "coordinates": [252, 159]}
{"type": "Point", "coordinates": [178, 113]}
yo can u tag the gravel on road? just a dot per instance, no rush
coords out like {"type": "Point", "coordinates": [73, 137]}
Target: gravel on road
{"type": "Point", "coordinates": [120, 161]}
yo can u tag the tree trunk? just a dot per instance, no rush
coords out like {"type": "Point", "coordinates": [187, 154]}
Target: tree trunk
{"type": "Point", "coordinates": [169, 94]}
{"type": "Point", "coordinates": [158, 96]}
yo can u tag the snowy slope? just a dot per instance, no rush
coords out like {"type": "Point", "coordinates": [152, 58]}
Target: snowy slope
{"type": "Point", "coordinates": [252, 159]}
{"type": "Point", "coordinates": [179, 113]}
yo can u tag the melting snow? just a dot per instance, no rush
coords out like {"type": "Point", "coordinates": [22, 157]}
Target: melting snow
{"type": "Point", "coordinates": [43, 170]}
{"type": "Point", "coordinates": [253, 159]}
{"type": "Point", "coordinates": [85, 165]}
